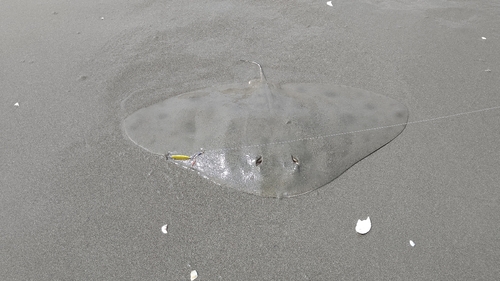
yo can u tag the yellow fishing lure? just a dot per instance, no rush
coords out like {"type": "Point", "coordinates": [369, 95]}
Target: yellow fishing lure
{"type": "Point", "coordinates": [182, 157]}
{"type": "Point", "coordinates": [179, 157]}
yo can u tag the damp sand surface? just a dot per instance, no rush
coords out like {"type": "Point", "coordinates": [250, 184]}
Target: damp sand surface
{"type": "Point", "coordinates": [80, 201]}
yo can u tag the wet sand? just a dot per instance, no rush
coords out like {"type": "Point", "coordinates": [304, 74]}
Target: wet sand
{"type": "Point", "coordinates": [80, 201]}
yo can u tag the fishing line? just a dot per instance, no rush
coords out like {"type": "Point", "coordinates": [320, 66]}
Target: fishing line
{"type": "Point", "coordinates": [357, 131]}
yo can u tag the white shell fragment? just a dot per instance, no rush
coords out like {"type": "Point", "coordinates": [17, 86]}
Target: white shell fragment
{"type": "Point", "coordinates": [329, 3]}
{"type": "Point", "coordinates": [194, 275]}
{"type": "Point", "coordinates": [164, 229]}
{"type": "Point", "coordinates": [412, 243]}
{"type": "Point", "coordinates": [363, 226]}
{"type": "Point", "coordinates": [16, 104]}
{"type": "Point", "coordinates": [102, 18]}
{"type": "Point", "coordinates": [484, 38]}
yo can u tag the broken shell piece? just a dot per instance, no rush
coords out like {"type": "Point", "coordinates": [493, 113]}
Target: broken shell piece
{"type": "Point", "coordinates": [412, 243]}
{"type": "Point", "coordinates": [329, 3]}
{"type": "Point", "coordinates": [16, 104]}
{"type": "Point", "coordinates": [363, 226]}
{"type": "Point", "coordinates": [487, 70]}
{"type": "Point", "coordinates": [194, 275]}
{"type": "Point", "coordinates": [484, 38]}
{"type": "Point", "coordinates": [164, 229]}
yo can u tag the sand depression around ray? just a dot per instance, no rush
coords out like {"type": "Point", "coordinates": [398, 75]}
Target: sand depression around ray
{"type": "Point", "coordinates": [261, 138]}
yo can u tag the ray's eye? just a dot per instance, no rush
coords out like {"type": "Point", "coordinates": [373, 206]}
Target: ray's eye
{"type": "Point", "coordinates": [295, 160]}
{"type": "Point", "coordinates": [258, 161]}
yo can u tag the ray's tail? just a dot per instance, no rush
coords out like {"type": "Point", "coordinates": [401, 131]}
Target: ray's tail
{"type": "Point", "coordinates": [262, 76]}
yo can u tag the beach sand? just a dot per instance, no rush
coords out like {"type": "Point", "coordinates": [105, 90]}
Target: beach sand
{"type": "Point", "coordinates": [79, 201]}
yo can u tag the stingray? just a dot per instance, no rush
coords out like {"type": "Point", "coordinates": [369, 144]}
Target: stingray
{"type": "Point", "coordinates": [268, 139]}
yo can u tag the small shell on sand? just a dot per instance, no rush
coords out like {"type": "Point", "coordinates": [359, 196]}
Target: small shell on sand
{"type": "Point", "coordinates": [164, 229]}
{"type": "Point", "coordinates": [363, 226]}
{"type": "Point", "coordinates": [194, 275]}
